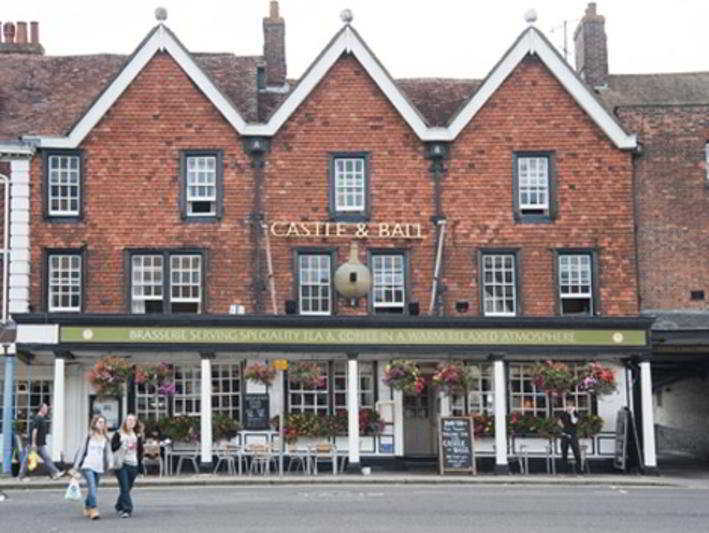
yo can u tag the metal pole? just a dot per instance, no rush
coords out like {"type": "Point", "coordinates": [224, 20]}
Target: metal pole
{"type": "Point", "coordinates": [437, 269]}
{"type": "Point", "coordinates": [282, 444]}
{"type": "Point", "coordinates": [9, 384]}
{"type": "Point", "coordinates": [269, 265]}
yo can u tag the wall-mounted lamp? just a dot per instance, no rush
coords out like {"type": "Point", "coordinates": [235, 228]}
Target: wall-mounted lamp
{"type": "Point", "coordinates": [256, 145]}
{"type": "Point", "coordinates": [437, 150]}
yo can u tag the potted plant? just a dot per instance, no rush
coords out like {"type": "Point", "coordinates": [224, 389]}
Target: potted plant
{"type": "Point", "coordinates": [109, 374]}
{"type": "Point", "coordinates": [597, 379]}
{"type": "Point", "coordinates": [307, 373]}
{"type": "Point", "coordinates": [452, 377]}
{"type": "Point", "coordinates": [589, 425]}
{"type": "Point", "coordinates": [483, 425]}
{"type": "Point", "coordinates": [260, 373]}
{"type": "Point", "coordinates": [224, 428]}
{"type": "Point", "coordinates": [180, 428]}
{"type": "Point", "coordinates": [404, 375]}
{"type": "Point", "coordinates": [554, 377]}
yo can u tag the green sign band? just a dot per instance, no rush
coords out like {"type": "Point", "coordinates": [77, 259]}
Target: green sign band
{"type": "Point", "coordinates": [349, 336]}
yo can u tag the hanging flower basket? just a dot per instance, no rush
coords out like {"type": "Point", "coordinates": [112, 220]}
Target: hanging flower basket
{"type": "Point", "coordinates": [109, 374]}
{"type": "Point", "coordinates": [554, 377]}
{"type": "Point", "coordinates": [260, 373]}
{"type": "Point", "coordinates": [307, 373]}
{"type": "Point", "coordinates": [453, 378]}
{"type": "Point", "coordinates": [404, 375]}
{"type": "Point", "coordinates": [483, 425]}
{"type": "Point", "coordinates": [598, 379]}
{"type": "Point", "coordinates": [154, 374]}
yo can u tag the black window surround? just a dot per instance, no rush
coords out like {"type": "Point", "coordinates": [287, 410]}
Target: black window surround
{"type": "Point", "coordinates": [363, 214]}
{"type": "Point", "coordinates": [535, 216]}
{"type": "Point", "coordinates": [595, 274]}
{"type": "Point", "coordinates": [46, 254]}
{"type": "Point", "coordinates": [165, 253]}
{"type": "Point", "coordinates": [332, 253]}
{"type": "Point", "coordinates": [219, 201]}
{"type": "Point", "coordinates": [57, 217]}
{"type": "Point", "coordinates": [407, 276]}
{"type": "Point", "coordinates": [517, 270]}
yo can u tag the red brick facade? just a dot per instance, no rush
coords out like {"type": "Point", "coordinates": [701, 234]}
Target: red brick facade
{"type": "Point", "coordinates": [672, 203]}
{"type": "Point", "coordinates": [132, 187]}
{"type": "Point", "coordinates": [133, 181]}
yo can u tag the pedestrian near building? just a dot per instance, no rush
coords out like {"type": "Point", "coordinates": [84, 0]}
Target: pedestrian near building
{"type": "Point", "coordinates": [569, 421]}
{"type": "Point", "coordinates": [127, 446]}
{"type": "Point", "coordinates": [37, 442]}
{"type": "Point", "coordinates": [92, 460]}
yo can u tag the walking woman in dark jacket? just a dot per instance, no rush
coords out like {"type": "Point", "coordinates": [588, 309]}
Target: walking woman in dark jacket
{"type": "Point", "coordinates": [127, 446]}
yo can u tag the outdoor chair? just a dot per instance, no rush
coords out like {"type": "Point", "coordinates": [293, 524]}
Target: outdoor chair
{"type": "Point", "coordinates": [151, 457]}
{"type": "Point", "coordinates": [226, 457]}
{"type": "Point", "coordinates": [324, 452]}
{"type": "Point", "coordinates": [260, 457]}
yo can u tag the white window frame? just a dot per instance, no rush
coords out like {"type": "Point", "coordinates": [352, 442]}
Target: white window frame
{"type": "Point", "coordinates": [145, 268]}
{"type": "Point", "coordinates": [155, 274]}
{"type": "Point", "coordinates": [529, 400]}
{"type": "Point", "coordinates": [350, 184]}
{"type": "Point", "coordinates": [187, 400]}
{"type": "Point", "coordinates": [315, 277]}
{"type": "Point", "coordinates": [480, 398]}
{"type": "Point", "coordinates": [365, 385]}
{"type": "Point", "coordinates": [571, 278]}
{"type": "Point", "coordinates": [706, 162]}
{"type": "Point", "coordinates": [201, 183]}
{"type": "Point", "coordinates": [502, 284]}
{"type": "Point", "coordinates": [389, 281]}
{"type": "Point", "coordinates": [533, 182]}
{"type": "Point", "coordinates": [302, 399]}
{"type": "Point", "coordinates": [64, 282]}
{"type": "Point", "coordinates": [149, 405]}
{"type": "Point", "coordinates": [226, 389]}
{"type": "Point", "coordinates": [64, 174]}
{"type": "Point", "coordinates": [28, 396]}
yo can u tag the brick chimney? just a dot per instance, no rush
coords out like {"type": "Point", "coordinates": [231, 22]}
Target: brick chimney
{"type": "Point", "coordinates": [13, 39]}
{"type": "Point", "coordinates": [592, 48]}
{"type": "Point", "coordinates": [274, 47]}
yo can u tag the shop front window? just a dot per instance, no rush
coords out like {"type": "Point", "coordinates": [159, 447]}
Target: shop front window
{"type": "Point", "coordinates": [525, 398]}
{"type": "Point", "coordinates": [480, 397]}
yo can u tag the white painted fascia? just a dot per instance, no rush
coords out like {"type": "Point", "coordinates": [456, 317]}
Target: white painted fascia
{"type": "Point", "coordinates": [37, 334]}
{"type": "Point", "coordinates": [532, 42]}
{"type": "Point", "coordinates": [161, 40]}
{"type": "Point", "coordinates": [346, 42]}
{"type": "Point", "coordinates": [15, 150]}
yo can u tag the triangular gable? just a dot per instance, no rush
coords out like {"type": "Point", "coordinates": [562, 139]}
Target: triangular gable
{"type": "Point", "coordinates": [347, 40]}
{"type": "Point", "coordinates": [159, 39]}
{"type": "Point", "coordinates": [532, 41]}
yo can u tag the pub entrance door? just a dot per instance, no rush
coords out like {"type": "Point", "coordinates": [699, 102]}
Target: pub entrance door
{"type": "Point", "coordinates": [421, 423]}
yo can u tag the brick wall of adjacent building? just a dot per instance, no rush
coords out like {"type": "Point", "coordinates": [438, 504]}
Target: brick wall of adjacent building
{"type": "Point", "coordinates": [132, 188]}
{"type": "Point", "coordinates": [672, 203]}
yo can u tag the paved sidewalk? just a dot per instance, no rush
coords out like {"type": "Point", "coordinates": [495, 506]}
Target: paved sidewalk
{"type": "Point", "coordinates": [676, 479]}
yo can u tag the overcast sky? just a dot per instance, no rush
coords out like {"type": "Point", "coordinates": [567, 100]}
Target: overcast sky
{"type": "Point", "coordinates": [439, 38]}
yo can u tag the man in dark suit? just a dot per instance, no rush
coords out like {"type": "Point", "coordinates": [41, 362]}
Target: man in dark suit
{"type": "Point", "coordinates": [568, 421]}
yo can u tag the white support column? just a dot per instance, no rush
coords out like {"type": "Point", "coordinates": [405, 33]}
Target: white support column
{"type": "Point", "coordinates": [206, 411]}
{"type": "Point", "coordinates": [650, 466]}
{"type": "Point", "coordinates": [501, 465]}
{"type": "Point", "coordinates": [444, 401]}
{"type": "Point", "coordinates": [353, 411]}
{"type": "Point", "coordinates": [398, 423]}
{"type": "Point", "coordinates": [58, 409]}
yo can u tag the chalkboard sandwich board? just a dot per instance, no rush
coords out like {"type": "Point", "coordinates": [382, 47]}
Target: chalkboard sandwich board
{"type": "Point", "coordinates": [456, 452]}
{"type": "Point", "coordinates": [256, 411]}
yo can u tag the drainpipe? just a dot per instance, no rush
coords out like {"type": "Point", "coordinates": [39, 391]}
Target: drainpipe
{"type": "Point", "coordinates": [269, 266]}
{"type": "Point", "coordinates": [437, 153]}
{"type": "Point", "coordinates": [256, 148]}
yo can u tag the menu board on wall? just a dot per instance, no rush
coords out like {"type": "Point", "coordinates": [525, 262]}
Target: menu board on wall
{"type": "Point", "coordinates": [256, 411]}
{"type": "Point", "coordinates": [455, 451]}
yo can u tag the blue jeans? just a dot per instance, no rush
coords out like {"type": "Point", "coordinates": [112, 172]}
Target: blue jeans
{"type": "Point", "coordinates": [44, 454]}
{"type": "Point", "coordinates": [92, 478]}
{"type": "Point", "coordinates": [126, 476]}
